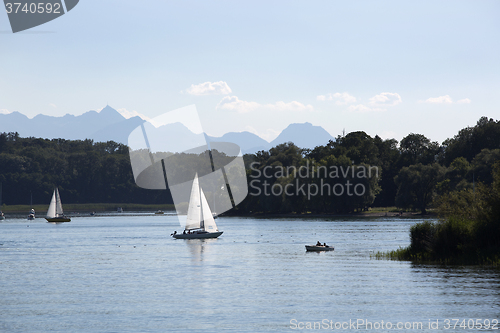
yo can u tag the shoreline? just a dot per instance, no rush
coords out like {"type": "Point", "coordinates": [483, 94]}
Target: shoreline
{"type": "Point", "coordinates": [88, 207]}
{"type": "Point", "coordinates": [323, 215]}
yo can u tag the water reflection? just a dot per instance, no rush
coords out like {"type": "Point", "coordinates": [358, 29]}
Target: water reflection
{"type": "Point", "coordinates": [199, 248]}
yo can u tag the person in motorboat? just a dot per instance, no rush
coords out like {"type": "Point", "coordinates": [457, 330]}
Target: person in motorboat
{"type": "Point", "coordinates": [318, 244]}
{"type": "Point", "coordinates": [324, 244]}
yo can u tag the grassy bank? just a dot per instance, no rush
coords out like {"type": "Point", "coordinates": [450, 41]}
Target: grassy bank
{"type": "Point", "coordinates": [455, 240]}
{"type": "Point", "coordinates": [470, 258]}
{"type": "Point", "coordinates": [468, 232]}
{"type": "Point", "coordinates": [91, 207]}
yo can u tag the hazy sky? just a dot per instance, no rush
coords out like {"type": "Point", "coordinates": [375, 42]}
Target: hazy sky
{"type": "Point", "coordinates": [386, 67]}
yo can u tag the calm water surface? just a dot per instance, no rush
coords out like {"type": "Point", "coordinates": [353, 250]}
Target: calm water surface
{"type": "Point", "coordinates": [126, 274]}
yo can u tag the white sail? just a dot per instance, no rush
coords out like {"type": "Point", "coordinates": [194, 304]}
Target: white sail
{"type": "Point", "coordinates": [193, 220]}
{"type": "Point", "coordinates": [59, 209]}
{"type": "Point", "coordinates": [51, 213]}
{"type": "Point", "coordinates": [208, 218]}
{"type": "Point", "coordinates": [55, 207]}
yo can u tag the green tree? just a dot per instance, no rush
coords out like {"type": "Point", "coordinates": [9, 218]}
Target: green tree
{"type": "Point", "coordinates": [471, 140]}
{"type": "Point", "coordinates": [416, 148]}
{"type": "Point", "coordinates": [416, 185]}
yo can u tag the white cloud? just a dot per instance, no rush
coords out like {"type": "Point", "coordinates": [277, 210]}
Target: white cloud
{"type": "Point", "coordinates": [340, 98]}
{"type": "Point", "coordinates": [4, 111]}
{"type": "Point", "coordinates": [209, 88]}
{"type": "Point", "coordinates": [386, 99]}
{"type": "Point", "coordinates": [233, 103]}
{"type": "Point", "coordinates": [439, 100]}
{"type": "Point", "coordinates": [53, 105]}
{"type": "Point", "coordinates": [464, 101]}
{"type": "Point", "coordinates": [129, 114]}
{"type": "Point", "coordinates": [360, 108]}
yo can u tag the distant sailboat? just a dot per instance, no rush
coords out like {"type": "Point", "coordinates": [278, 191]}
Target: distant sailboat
{"type": "Point", "coordinates": [55, 212]}
{"type": "Point", "coordinates": [2, 216]}
{"type": "Point", "coordinates": [200, 222]}
{"type": "Point", "coordinates": [31, 215]}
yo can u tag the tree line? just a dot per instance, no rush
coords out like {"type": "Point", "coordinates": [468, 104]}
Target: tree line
{"type": "Point", "coordinates": [85, 172]}
{"type": "Point", "coordinates": [412, 173]}
{"type": "Point", "coordinates": [352, 173]}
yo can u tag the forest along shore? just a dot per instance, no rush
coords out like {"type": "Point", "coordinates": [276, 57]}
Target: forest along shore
{"type": "Point", "coordinates": [84, 208]}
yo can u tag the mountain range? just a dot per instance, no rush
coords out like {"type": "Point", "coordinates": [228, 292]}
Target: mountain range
{"type": "Point", "coordinates": [109, 124]}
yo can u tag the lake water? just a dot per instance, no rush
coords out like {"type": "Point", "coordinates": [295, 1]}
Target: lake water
{"type": "Point", "coordinates": [126, 274]}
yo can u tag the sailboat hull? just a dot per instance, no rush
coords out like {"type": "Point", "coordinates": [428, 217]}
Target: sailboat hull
{"type": "Point", "coordinates": [58, 219]}
{"type": "Point", "coordinates": [198, 235]}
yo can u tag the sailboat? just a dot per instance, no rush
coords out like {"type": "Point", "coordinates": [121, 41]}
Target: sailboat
{"type": "Point", "coordinates": [200, 222]}
{"type": "Point", "coordinates": [55, 212]}
{"type": "Point", "coordinates": [31, 215]}
{"type": "Point", "coordinates": [2, 216]}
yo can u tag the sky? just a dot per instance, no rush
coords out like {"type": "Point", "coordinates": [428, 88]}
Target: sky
{"type": "Point", "coordinates": [388, 68]}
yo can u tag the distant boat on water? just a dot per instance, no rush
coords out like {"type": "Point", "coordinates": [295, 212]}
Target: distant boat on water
{"type": "Point", "coordinates": [200, 221]}
{"type": "Point", "coordinates": [31, 215]}
{"type": "Point", "coordinates": [55, 212]}
{"type": "Point", "coordinates": [319, 247]}
{"type": "Point", "coordinates": [2, 216]}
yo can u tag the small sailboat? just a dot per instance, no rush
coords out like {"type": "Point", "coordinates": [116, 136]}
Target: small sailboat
{"type": "Point", "coordinates": [55, 212]}
{"type": "Point", "coordinates": [2, 216]}
{"type": "Point", "coordinates": [31, 215]}
{"type": "Point", "coordinates": [200, 222]}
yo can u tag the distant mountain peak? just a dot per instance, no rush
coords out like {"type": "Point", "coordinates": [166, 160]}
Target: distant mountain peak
{"type": "Point", "coordinates": [303, 135]}
{"type": "Point", "coordinates": [108, 109]}
{"type": "Point", "coordinates": [111, 114]}
{"type": "Point", "coordinates": [109, 124]}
